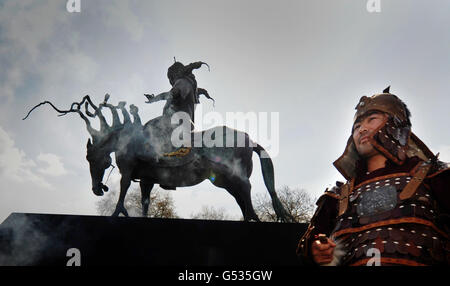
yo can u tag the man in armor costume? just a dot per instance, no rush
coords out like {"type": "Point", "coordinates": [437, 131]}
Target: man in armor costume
{"type": "Point", "coordinates": [394, 208]}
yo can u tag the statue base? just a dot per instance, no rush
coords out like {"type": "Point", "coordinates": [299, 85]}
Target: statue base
{"type": "Point", "coordinates": [67, 240]}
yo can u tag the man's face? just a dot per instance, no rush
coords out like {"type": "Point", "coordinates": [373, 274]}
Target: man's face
{"type": "Point", "coordinates": [363, 128]}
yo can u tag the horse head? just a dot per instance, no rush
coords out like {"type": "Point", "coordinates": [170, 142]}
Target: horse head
{"type": "Point", "coordinates": [98, 151]}
{"type": "Point", "coordinates": [99, 158]}
{"type": "Point", "coordinates": [103, 141]}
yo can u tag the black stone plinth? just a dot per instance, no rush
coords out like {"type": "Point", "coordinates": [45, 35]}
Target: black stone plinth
{"type": "Point", "coordinates": [44, 239]}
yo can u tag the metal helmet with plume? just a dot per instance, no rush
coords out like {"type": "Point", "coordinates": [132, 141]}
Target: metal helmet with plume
{"type": "Point", "coordinates": [393, 138]}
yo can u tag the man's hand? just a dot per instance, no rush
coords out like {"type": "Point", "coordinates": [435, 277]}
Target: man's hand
{"type": "Point", "coordinates": [322, 250]}
{"type": "Point", "coordinates": [150, 97]}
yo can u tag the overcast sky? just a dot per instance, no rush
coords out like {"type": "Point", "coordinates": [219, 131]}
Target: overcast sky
{"type": "Point", "coordinates": [310, 61]}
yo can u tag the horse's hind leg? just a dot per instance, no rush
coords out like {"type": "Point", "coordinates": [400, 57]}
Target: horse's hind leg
{"type": "Point", "coordinates": [245, 192]}
{"type": "Point", "coordinates": [240, 190]}
{"type": "Point", "coordinates": [146, 188]}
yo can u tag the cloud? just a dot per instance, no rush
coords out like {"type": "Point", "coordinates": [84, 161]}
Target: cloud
{"type": "Point", "coordinates": [56, 75]}
{"type": "Point", "coordinates": [14, 164]}
{"type": "Point", "coordinates": [19, 19]}
{"type": "Point", "coordinates": [25, 27]}
{"type": "Point", "coordinates": [40, 49]}
{"type": "Point", "coordinates": [120, 15]}
{"type": "Point", "coordinates": [54, 165]}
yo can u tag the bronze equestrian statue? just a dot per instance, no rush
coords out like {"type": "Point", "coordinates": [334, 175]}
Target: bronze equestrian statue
{"type": "Point", "coordinates": [144, 155]}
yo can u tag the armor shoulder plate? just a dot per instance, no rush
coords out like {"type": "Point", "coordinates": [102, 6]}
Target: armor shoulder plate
{"type": "Point", "coordinates": [438, 167]}
{"type": "Point", "coordinates": [335, 191]}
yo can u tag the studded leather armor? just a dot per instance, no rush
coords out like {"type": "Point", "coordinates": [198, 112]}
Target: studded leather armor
{"type": "Point", "coordinates": [400, 212]}
{"type": "Point", "coordinates": [406, 230]}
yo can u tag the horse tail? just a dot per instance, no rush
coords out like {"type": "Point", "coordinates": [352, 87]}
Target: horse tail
{"type": "Point", "coordinates": [269, 181]}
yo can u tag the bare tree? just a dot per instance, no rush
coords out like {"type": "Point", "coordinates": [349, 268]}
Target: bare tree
{"type": "Point", "coordinates": [161, 203]}
{"type": "Point", "coordinates": [297, 202]}
{"type": "Point", "coordinates": [211, 213]}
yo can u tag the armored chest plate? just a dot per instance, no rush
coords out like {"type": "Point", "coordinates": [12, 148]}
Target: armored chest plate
{"type": "Point", "coordinates": [376, 201]}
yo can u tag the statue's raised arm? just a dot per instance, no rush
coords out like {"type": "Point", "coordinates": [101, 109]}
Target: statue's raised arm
{"type": "Point", "coordinates": [152, 98]}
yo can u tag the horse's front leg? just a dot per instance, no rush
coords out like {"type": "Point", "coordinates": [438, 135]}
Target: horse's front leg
{"type": "Point", "coordinates": [146, 188]}
{"type": "Point", "coordinates": [125, 183]}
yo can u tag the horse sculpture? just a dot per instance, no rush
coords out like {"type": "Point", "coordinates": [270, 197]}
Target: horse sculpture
{"type": "Point", "coordinates": [225, 167]}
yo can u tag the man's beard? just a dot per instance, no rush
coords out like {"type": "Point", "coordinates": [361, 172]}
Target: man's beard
{"type": "Point", "coordinates": [368, 151]}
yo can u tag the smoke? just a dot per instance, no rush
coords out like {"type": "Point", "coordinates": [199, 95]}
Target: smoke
{"type": "Point", "coordinates": [25, 243]}
{"type": "Point", "coordinates": [36, 239]}
{"type": "Point", "coordinates": [338, 253]}
{"type": "Point", "coordinates": [157, 134]}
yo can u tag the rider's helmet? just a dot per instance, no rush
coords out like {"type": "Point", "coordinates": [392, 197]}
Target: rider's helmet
{"type": "Point", "coordinates": [175, 71]}
{"type": "Point", "coordinates": [178, 70]}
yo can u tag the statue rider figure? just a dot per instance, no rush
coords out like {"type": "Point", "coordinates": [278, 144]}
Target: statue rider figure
{"type": "Point", "coordinates": [182, 97]}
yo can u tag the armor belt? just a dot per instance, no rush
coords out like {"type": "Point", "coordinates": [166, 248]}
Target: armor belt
{"type": "Point", "coordinates": [416, 180]}
{"type": "Point", "coordinates": [408, 191]}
